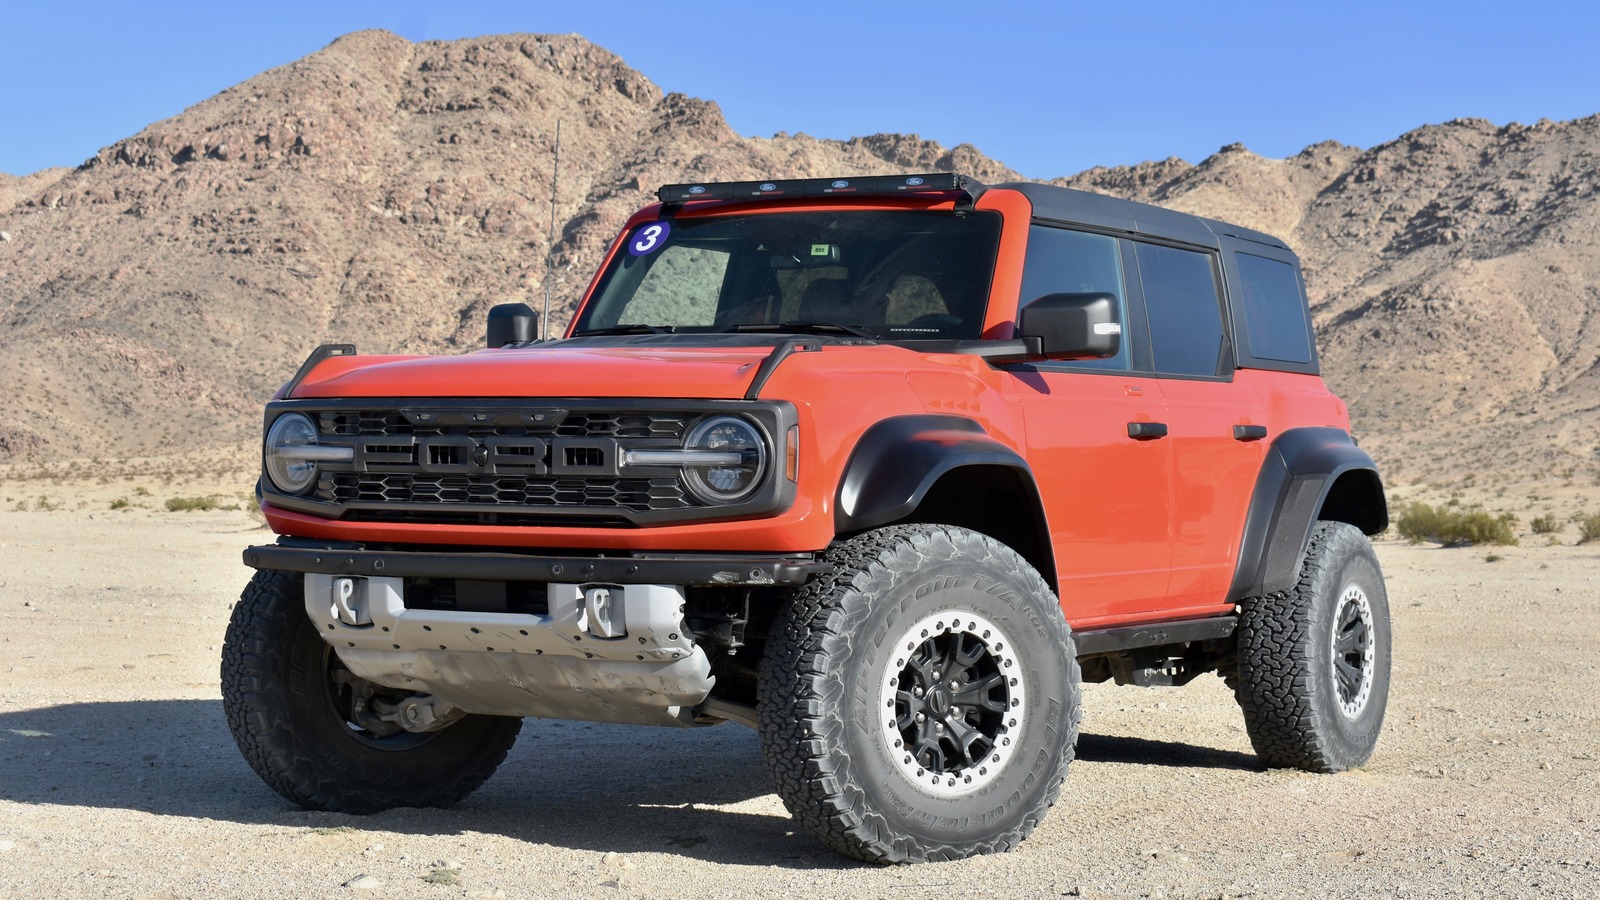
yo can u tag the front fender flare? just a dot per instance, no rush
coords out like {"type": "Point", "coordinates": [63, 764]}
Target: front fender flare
{"type": "Point", "coordinates": [897, 460]}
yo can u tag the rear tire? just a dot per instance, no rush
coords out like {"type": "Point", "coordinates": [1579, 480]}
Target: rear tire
{"type": "Point", "coordinates": [287, 699]}
{"type": "Point", "coordinates": [1313, 665]}
{"type": "Point", "coordinates": [920, 703]}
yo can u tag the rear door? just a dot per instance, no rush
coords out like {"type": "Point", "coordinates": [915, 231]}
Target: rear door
{"type": "Point", "coordinates": [1215, 421]}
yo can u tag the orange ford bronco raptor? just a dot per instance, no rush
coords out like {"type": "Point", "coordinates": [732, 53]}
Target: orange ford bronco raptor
{"type": "Point", "coordinates": [880, 467]}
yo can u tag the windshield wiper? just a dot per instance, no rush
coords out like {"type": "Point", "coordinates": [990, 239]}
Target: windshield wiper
{"type": "Point", "coordinates": [803, 328]}
{"type": "Point", "coordinates": [625, 329]}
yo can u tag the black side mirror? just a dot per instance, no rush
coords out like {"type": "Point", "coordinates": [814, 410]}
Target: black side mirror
{"type": "Point", "coordinates": [1073, 326]}
{"type": "Point", "coordinates": [512, 323]}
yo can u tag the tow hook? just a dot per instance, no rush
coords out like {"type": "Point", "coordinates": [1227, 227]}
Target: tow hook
{"type": "Point", "coordinates": [350, 604]}
{"type": "Point", "coordinates": [603, 614]}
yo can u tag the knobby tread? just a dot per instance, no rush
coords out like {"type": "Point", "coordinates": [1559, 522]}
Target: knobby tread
{"type": "Point", "coordinates": [1287, 709]}
{"type": "Point", "coordinates": [306, 759]}
{"type": "Point", "coordinates": [802, 691]}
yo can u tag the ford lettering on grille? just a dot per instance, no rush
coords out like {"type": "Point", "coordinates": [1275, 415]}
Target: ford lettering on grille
{"type": "Point", "coordinates": [460, 454]}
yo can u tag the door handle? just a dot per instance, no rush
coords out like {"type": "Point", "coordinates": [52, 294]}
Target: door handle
{"type": "Point", "coordinates": [1249, 432]}
{"type": "Point", "coordinates": [1147, 431]}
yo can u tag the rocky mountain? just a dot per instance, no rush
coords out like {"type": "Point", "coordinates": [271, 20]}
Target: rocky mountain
{"type": "Point", "coordinates": [1455, 279]}
{"type": "Point", "coordinates": [388, 193]}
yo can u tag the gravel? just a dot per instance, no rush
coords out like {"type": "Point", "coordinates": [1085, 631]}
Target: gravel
{"type": "Point", "coordinates": [118, 777]}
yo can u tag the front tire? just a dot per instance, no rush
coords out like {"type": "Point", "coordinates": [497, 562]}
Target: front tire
{"type": "Point", "coordinates": [289, 703]}
{"type": "Point", "coordinates": [1313, 664]}
{"type": "Point", "coordinates": [920, 703]}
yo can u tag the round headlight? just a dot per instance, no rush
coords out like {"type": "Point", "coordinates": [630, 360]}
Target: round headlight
{"type": "Point", "coordinates": [291, 472]}
{"type": "Point", "coordinates": [725, 483]}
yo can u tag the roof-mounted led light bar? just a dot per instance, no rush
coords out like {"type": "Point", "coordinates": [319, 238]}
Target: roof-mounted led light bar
{"type": "Point", "coordinates": [865, 186]}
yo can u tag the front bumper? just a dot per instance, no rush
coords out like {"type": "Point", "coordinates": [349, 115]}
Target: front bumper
{"type": "Point", "coordinates": [612, 644]}
{"type": "Point", "coordinates": [339, 558]}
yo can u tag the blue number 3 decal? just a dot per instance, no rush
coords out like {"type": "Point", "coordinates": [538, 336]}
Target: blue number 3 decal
{"type": "Point", "coordinates": [649, 238]}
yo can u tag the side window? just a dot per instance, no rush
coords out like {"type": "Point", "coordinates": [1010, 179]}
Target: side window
{"type": "Point", "coordinates": [1073, 262]}
{"type": "Point", "coordinates": [1185, 313]}
{"type": "Point", "coordinates": [680, 289]}
{"type": "Point", "coordinates": [1274, 311]}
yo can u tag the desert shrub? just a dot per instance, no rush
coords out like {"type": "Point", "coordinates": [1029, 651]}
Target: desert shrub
{"type": "Point", "coordinates": [1545, 524]}
{"type": "Point", "coordinates": [1589, 528]}
{"type": "Point", "coordinates": [186, 504]}
{"type": "Point", "coordinates": [120, 503]}
{"type": "Point", "coordinates": [43, 504]}
{"type": "Point", "coordinates": [1455, 527]}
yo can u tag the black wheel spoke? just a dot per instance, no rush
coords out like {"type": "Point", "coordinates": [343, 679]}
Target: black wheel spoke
{"type": "Point", "coordinates": [1349, 679]}
{"type": "Point", "coordinates": [980, 693]}
{"type": "Point", "coordinates": [970, 657]}
{"type": "Point", "coordinates": [951, 663]}
{"type": "Point", "coordinates": [928, 752]}
{"type": "Point", "coordinates": [966, 737]}
{"type": "Point", "coordinates": [1352, 640]}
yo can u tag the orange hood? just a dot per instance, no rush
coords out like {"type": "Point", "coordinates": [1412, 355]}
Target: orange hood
{"type": "Point", "coordinates": [556, 371]}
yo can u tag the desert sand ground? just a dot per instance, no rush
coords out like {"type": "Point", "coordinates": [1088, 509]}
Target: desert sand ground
{"type": "Point", "coordinates": [118, 777]}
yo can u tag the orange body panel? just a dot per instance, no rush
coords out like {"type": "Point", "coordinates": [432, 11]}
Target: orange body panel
{"type": "Point", "coordinates": [1142, 531]}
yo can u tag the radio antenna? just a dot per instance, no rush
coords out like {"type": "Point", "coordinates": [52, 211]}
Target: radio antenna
{"type": "Point", "coordinates": [550, 251]}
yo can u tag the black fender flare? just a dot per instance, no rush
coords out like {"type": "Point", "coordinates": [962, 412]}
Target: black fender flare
{"type": "Point", "coordinates": [1302, 469]}
{"type": "Point", "coordinates": [899, 459]}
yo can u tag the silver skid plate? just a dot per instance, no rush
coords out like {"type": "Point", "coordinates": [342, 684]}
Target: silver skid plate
{"type": "Point", "coordinates": [605, 653]}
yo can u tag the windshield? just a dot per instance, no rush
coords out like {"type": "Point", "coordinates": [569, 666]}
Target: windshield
{"type": "Point", "coordinates": [886, 274]}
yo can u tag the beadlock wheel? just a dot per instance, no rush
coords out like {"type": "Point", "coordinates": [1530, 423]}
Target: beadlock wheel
{"type": "Point", "coordinates": [324, 738]}
{"type": "Point", "coordinates": [920, 702]}
{"type": "Point", "coordinates": [1353, 652]}
{"type": "Point", "coordinates": [953, 701]}
{"type": "Point", "coordinates": [1312, 673]}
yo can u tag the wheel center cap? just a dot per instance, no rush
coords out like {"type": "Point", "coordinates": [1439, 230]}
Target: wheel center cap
{"type": "Point", "coordinates": [940, 700]}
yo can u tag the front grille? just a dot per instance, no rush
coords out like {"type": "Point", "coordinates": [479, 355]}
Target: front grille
{"type": "Point", "coordinates": [637, 494]}
{"type": "Point", "coordinates": [536, 462]}
{"type": "Point", "coordinates": [501, 423]}
{"type": "Point", "coordinates": [519, 460]}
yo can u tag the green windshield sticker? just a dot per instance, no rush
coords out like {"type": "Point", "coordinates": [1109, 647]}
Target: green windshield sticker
{"type": "Point", "coordinates": [819, 249]}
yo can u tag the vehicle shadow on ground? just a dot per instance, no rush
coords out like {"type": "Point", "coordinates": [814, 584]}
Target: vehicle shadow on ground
{"type": "Point", "coordinates": [575, 785]}
{"type": "Point", "coordinates": [1119, 749]}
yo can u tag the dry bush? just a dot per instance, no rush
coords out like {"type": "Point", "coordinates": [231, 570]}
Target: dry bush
{"type": "Point", "coordinates": [1455, 527]}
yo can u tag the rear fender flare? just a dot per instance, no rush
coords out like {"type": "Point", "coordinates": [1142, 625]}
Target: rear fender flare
{"type": "Point", "coordinates": [1303, 469]}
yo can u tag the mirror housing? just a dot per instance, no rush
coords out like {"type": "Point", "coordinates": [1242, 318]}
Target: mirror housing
{"type": "Point", "coordinates": [512, 323]}
{"type": "Point", "coordinates": [1073, 326]}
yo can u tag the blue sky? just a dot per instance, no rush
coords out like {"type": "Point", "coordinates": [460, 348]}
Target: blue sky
{"type": "Point", "coordinates": [1048, 88]}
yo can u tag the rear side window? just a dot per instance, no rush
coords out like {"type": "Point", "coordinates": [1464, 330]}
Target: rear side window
{"type": "Point", "coordinates": [1274, 310]}
{"type": "Point", "coordinates": [1180, 297]}
{"type": "Point", "coordinates": [1072, 262]}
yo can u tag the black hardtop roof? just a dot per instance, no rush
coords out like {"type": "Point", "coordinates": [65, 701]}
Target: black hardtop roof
{"type": "Point", "coordinates": [1075, 207]}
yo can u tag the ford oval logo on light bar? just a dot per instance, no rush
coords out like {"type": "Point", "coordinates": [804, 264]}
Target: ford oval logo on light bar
{"type": "Point", "coordinates": [769, 186]}
{"type": "Point", "coordinates": [913, 180]}
{"type": "Point", "coordinates": [697, 189]}
{"type": "Point", "coordinates": [841, 184]}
